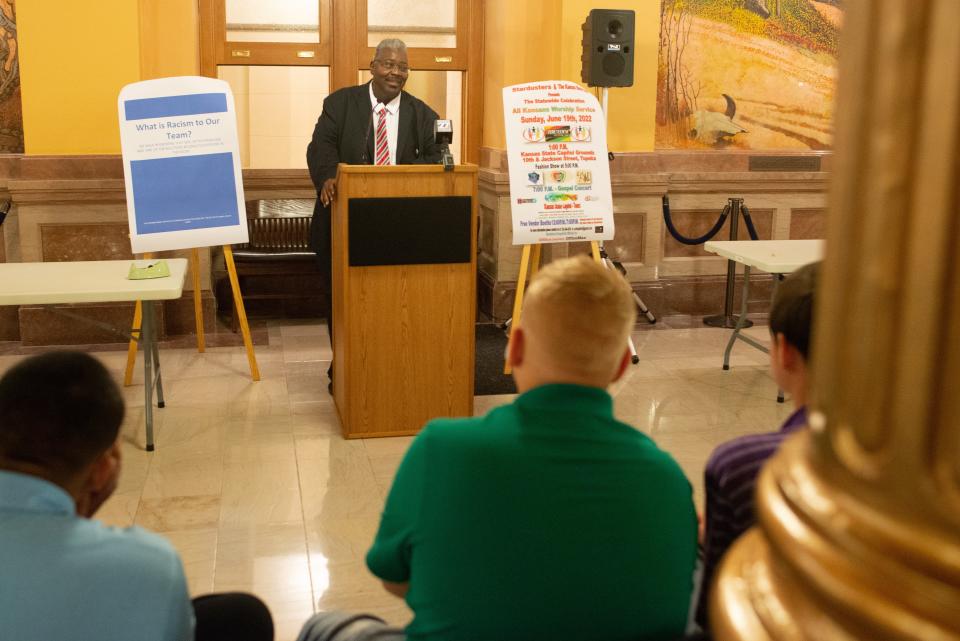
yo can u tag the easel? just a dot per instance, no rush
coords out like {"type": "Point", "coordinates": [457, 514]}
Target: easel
{"type": "Point", "coordinates": [599, 255]}
{"type": "Point", "coordinates": [198, 314]}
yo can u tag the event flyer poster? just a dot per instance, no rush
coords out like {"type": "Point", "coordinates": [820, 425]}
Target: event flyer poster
{"type": "Point", "coordinates": [559, 172]}
{"type": "Point", "coordinates": [181, 164]}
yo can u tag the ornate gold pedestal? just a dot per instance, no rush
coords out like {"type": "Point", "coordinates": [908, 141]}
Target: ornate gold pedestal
{"type": "Point", "coordinates": [859, 518]}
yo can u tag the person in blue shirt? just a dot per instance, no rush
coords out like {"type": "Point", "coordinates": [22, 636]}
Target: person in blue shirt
{"type": "Point", "coordinates": [65, 575]}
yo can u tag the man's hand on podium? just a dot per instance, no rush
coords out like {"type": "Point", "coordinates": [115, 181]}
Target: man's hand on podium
{"type": "Point", "coordinates": [328, 192]}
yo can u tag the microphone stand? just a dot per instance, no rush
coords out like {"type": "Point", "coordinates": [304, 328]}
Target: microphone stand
{"type": "Point", "coordinates": [446, 158]}
{"type": "Point", "coordinates": [443, 136]}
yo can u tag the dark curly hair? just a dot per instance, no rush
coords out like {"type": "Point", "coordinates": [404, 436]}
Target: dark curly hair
{"type": "Point", "coordinates": [59, 410]}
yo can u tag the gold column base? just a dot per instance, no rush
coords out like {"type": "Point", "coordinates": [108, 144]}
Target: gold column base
{"type": "Point", "coordinates": [825, 566]}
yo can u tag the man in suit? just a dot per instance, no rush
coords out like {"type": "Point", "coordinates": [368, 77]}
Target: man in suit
{"type": "Point", "coordinates": [376, 123]}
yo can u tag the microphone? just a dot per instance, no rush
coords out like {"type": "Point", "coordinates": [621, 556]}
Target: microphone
{"type": "Point", "coordinates": [443, 136]}
{"type": "Point", "coordinates": [366, 136]}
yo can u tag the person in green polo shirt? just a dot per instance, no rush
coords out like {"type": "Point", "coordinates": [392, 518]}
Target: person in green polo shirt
{"type": "Point", "coordinates": [547, 518]}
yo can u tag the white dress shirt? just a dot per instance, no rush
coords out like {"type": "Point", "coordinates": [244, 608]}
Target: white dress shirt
{"type": "Point", "coordinates": [393, 124]}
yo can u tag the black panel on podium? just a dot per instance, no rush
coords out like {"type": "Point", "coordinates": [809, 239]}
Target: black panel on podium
{"type": "Point", "coordinates": [409, 231]}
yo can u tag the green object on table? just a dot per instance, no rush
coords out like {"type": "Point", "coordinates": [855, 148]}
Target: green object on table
{"type": "Point", "coordinates": [143, 269]}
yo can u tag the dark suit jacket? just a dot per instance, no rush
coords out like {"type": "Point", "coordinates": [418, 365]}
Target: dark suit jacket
{"type": "Point", "coordinates": [343, 128]}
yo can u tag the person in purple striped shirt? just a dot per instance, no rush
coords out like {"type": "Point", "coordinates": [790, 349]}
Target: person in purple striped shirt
{"type": "Point", "coordinates": [732, 469]}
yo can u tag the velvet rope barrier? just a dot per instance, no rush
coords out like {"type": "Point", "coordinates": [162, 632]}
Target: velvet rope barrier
{"type": "Point", "coordinates": [680, 238]}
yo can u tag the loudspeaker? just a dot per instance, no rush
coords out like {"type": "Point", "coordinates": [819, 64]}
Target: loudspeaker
{"type": "Point", "coordinates": [607, 59]}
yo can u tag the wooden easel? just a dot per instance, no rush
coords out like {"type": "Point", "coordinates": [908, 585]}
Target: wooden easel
{"type": "Point", "coordinates": [198, 313]}
{"type": "Point", "coordinates": [530, 260]}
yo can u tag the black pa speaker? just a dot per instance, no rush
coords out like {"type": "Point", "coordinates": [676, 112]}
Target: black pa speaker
{"type": "Point", "coordinates": [607, 59]}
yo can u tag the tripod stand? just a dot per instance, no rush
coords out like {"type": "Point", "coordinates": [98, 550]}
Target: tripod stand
{"type": "Point", "coordinates": [608, 262]}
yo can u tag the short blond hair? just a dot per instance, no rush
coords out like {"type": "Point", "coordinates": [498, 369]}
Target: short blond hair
{"type": "Point", "coordinates": [580, 314]}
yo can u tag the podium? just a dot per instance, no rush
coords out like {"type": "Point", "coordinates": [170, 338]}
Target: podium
{"type": "Point", "coordinates": [404, 242]}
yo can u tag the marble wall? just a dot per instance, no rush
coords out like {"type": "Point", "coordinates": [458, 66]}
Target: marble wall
{"type": "Point", "coordinates": [673, 279]}
{"type": "Point", "coordinates": [9, 165]}
{"type": "Point", "coordinates": [73, 208]}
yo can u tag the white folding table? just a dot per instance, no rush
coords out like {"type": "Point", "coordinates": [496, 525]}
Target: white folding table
{"type": "Point", "coordinates": [777, 257]}
{"type": "Point", "coordinates": [99, 281]}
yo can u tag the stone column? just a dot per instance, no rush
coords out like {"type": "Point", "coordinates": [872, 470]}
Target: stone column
{"type": "Point", "coordinates": [859, 518]}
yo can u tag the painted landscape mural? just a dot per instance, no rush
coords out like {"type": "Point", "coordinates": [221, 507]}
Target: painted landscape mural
{"type": "Point", "coordinates": [747, 74]}
{"type": "Point", "coordinates": [11, 112]}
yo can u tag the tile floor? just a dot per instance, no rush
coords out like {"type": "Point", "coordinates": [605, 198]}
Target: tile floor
{"type": "Point", "coordinates": [255, 487]}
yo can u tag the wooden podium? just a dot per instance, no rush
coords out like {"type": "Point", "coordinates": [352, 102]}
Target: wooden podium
{"type": "Point", "coordinates": [404, 244]}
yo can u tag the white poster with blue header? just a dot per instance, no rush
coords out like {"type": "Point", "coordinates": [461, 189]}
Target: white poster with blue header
{"type": "Point", "coordinates": [181, 164]}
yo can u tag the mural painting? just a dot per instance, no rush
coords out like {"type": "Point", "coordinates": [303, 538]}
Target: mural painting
{"type": "Point", "coordinates": [747, 74]}
{"type": "Point", "coordinates": [11, 112]}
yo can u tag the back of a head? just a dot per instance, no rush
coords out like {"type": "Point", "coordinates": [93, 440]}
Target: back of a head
{"type": "Point", "coordinates": [580, 314]}
{"type": "Point", "coordinates": [59, 411]}
{"type": "Point", "coordinates": [792, 310]}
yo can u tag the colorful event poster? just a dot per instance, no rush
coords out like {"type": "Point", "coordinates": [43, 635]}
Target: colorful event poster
{"type": "Point", "coordinates": [559, 172]}
{"type": "Point", "coordinates": [181, 164]}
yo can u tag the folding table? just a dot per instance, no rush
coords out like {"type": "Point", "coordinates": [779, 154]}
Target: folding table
{"type": "Point", "coordinates": [99, 281]}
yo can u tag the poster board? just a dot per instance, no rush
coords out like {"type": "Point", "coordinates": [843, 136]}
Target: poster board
{"type": "Point", "coordinates": [181, 164]}
{"type": "Point", "coordinates": [559, 172]}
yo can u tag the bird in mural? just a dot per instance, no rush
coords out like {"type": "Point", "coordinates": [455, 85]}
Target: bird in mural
{"type": "Point", "coordinates": [715, 128]}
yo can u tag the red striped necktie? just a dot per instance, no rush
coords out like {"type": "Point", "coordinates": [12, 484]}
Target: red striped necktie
{"type": "Point", "coordinates": [382, 148]}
